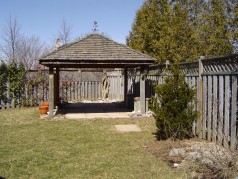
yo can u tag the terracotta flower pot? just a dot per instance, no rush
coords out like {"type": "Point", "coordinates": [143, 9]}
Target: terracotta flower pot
{"type": "Point", "coordinates": [45, 104]}
{"type": "Point", "coordinates": [43, 109]}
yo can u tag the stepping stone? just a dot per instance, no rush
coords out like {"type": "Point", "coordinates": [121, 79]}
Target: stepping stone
{"type": "Point", "coordinates": [127, 128]}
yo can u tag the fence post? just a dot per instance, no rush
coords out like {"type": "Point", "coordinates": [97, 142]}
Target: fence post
{"type": "Point", "coordinates": [200, 121]}
{"type": "Point", "coordinates": [233, 113]}
{"type": "Point", "coordinates": [227, 112]}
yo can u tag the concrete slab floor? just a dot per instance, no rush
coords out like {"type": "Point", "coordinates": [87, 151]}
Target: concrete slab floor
{"type": "Point", "coordinates": [94, 110]}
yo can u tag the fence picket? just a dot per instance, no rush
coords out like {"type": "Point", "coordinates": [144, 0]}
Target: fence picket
{"type": "Point", "coordinates": [82, 90]}
{"type": "Point", "coordinates": [227, 112]}
{"type": "Point", "coordinates": [214, 111]}
{"type": "Point", "coordinates": [209, 109]}
{"type": "Point", "coordinates": [77, 92]}
{"type": "Point", "coordinates": [233, 113]}
{"type": "Point", "coordinates": [193, 86]}
{"type": "Point", "coordinates": [204, 131]}
{"type": "Point", "coordinates": [221, 107]}
{"type": "Point", "coordinates": [197, 106]}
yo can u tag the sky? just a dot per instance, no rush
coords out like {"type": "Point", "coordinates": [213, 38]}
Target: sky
{"type": "Point", "coordinates": [43, 18]}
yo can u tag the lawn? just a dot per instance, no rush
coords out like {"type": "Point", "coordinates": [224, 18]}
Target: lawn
{"type": "Point", "coordinates": [35, 148]}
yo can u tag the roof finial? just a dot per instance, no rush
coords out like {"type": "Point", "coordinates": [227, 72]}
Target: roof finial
{"type": "Point", "coordinates": [95, 26]}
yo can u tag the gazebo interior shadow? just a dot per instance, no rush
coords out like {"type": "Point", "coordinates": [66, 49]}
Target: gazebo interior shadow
{"type": "Point", "coordinates": [93, 107]}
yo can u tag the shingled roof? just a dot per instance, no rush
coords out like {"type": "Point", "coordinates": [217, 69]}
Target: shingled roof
{"type": "Point", "coordinates": [98, 51]}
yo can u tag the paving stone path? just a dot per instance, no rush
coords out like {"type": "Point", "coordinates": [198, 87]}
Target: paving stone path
{"type": "Point", "coordinates": [128, 128]}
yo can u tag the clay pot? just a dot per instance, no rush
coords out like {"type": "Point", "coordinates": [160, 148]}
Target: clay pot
{"type": "Point", "coordinates": [45, 104]}
{"type": "Point", "coordinates": [43, 109]}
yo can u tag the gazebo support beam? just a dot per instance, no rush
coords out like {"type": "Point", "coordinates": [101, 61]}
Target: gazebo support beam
{"type": "Point", "coordinates": [125, 87]}
{"type": "Point", "coordinates": [51, 92]}
{"type": "Point", "coordinates": [142, 90]}
{"type": "Point", "coordinates": [56, 89]}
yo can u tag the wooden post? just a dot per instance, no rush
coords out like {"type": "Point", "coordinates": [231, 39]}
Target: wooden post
{"type": "Point", "coordinates": [51, 92]}
{"type": "Point", "coordinates": [227, 112]}
{"type": "Point", "coordinates": [56, 89]}
{"type": "Point", "coordinates": [142, 90]}
{"type": "Point", "coordinates": [125, 87]}
{"type": "Point", "coordinates": [214, 110]}
{"type": "Point", "coordinates": [233, 113]}
{"type": "Point", "coordinates": [221, 107]}
{"type": "Point", "coordinates": [209, 108]}
{"type": "Point", "coordinates": [200, 97]}
{"type": "Point", "coordinates": [193, 84]}
{"type": "Point", "coordinates": [204, 108]}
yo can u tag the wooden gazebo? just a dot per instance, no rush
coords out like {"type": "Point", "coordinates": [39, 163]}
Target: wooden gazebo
{"type": "Point", "coordinates": [95, 51]}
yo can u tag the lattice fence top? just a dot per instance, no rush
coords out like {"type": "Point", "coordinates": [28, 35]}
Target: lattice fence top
{"type": "Point", "coordinates": [222, 64]}
{"type": "Point", "coordinates": [190, 68]}
{"type": "Point", "coordinates": [216, 65]}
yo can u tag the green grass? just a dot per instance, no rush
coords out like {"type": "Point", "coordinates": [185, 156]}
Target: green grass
{"type": "Point", "coordinates": [34, 148]}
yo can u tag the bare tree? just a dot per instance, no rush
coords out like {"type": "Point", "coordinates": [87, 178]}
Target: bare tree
{"type": "Point", "coordinates": [19, 48]}
{"type": "Point", "coordinates": [31, 50]}
{"type": "Point", "coordinates": [64, 33]}
{"type": "Point", "coordinates": [11, 40]}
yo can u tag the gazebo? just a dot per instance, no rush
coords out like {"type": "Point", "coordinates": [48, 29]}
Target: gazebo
{"type": "Point", "coordinates": [95, 51]}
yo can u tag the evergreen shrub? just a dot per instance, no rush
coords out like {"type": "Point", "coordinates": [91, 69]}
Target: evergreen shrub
{"type": "Point", "coordinates": [12, 77]}
{"type": "Point", "coordinates": [173, 107]}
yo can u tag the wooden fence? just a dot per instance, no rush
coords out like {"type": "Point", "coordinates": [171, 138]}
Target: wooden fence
{"type": "Point", "coordinates": [34, 95]}
{"type": "Point", "coordinates": [116, 87]}
{"type": "Point", "coordinates": [219, 100]}
{"type": "Point", "coordinates": [79, 91]}
{"type": "Point", "coordinates": [215, 80]}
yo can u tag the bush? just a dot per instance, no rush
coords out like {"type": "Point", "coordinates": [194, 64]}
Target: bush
{"type": "Point", "coordinates": [3, 82]}
{"type": "Point", "coordinates": [173, 107]}
{"type": "Point", "coordinates": [11, 81]}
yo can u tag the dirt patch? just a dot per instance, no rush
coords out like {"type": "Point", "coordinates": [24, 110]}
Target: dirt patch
{"type": "Point", "coordinates": [199, 159]}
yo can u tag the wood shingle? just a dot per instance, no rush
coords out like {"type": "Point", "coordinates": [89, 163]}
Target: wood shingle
{"type": "Point", "coordinates": [96, 50]}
